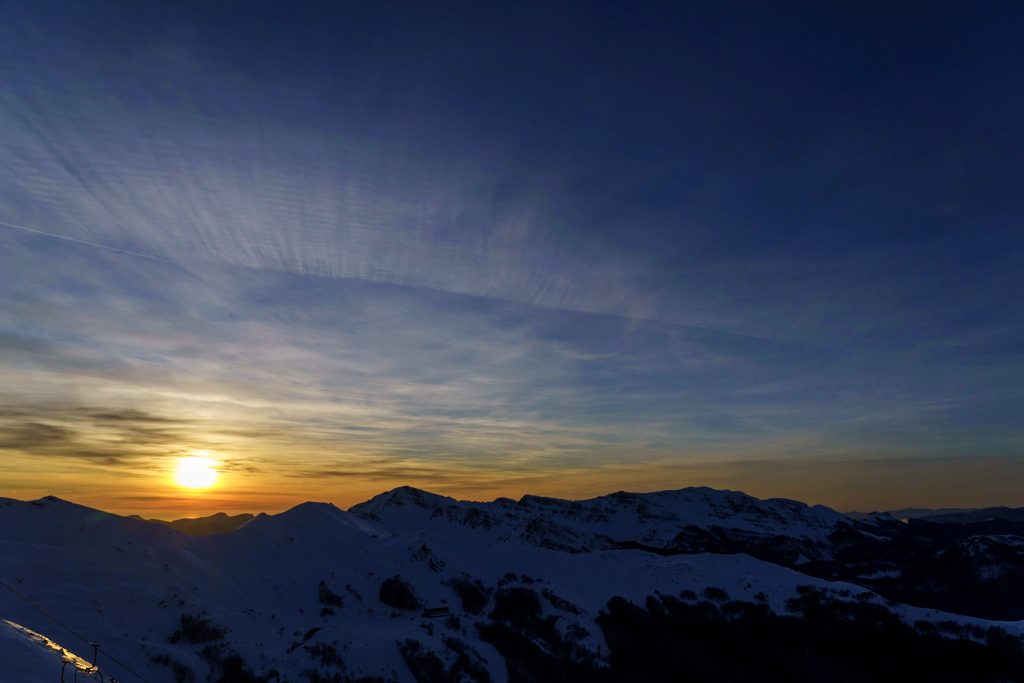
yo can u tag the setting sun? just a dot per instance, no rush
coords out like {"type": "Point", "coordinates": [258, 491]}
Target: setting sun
{"type": "Point", "coordinates": [196, 472]}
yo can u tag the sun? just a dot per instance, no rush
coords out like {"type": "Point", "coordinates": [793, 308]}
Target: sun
{"type": "Point", "coordinates": [197, 471]}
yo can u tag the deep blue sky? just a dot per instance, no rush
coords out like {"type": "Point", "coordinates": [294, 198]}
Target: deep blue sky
{"type": "Point", "coordinates": [491, 248]}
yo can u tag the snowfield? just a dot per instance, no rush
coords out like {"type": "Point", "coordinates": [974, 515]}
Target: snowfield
{"type": "Point", "coordinates": [301, 590]}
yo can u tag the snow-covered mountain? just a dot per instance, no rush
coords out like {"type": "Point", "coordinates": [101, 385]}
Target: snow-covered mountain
{"type": "Point", "coordinates": [654, 519]}
{"type": "Point", "coordinates": [321, 594]}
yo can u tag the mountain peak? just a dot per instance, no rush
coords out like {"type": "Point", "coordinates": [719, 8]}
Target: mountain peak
{"type": "Point", "coordinates": [311, 505]}
{"type": "Point", "coordinates": [311, 517]}
{"type": "Point", "coordinates": [401, 496]}
{"type": "Point", "coordinates": [69, 509]}
{"type": "Point", "coordinates": [310, 511]}
{"type": "Point", "coordinates": [55, 501]}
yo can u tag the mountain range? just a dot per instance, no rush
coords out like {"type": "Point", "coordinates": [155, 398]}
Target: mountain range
{"type": "Point", "coordinates": [414, 586]}
{"type": "Point", "coordinates": [219, 523]}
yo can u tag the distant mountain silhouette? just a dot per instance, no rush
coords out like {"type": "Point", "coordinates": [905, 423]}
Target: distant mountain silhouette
{"type": "Point", "coordinates": [219, 523]}
{"type": "Point", "coordinates": [1004, 514]}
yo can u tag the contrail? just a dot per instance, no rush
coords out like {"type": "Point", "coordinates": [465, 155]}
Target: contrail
{"type": "Point", "coordinates": [91, 244]}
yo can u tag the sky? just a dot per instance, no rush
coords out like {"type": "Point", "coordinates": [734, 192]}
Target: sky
{"type": "Point", "coordinates": [489, 249]}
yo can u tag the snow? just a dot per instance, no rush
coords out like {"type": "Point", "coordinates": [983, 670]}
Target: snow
{"type": "Point", "coordinates": [29, 657]}
{"type": "Point", "coordinates": [650, 518]}
{"type": "Point", "coordinates": [22, 660]}
{"type": "Point", "coordinates": [125, 583]}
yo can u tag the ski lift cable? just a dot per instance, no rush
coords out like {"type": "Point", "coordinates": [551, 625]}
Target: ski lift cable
{"type": "Point", "coordinates": [93, 645]}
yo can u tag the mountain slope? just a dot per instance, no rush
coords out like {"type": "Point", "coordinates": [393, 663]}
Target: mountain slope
{"type": "Point", "coordinates": [317, 593]}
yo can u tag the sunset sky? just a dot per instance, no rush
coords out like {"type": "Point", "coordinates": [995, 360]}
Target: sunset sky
{"type": "Point", "coordinates": [491, 249]}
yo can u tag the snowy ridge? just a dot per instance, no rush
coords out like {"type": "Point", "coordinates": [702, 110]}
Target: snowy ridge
{"type": "Point", "coordinates": [306, 588]}
{"type": "Point", "coordinates": [654, 519]}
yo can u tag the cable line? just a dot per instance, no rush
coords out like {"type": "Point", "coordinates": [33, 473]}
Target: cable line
{"type": "Point", "coordinates": [91, 644]}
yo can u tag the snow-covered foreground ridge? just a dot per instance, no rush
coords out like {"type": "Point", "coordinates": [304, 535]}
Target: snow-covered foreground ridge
{"type": "Point", "coordinates": [312, 594]}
